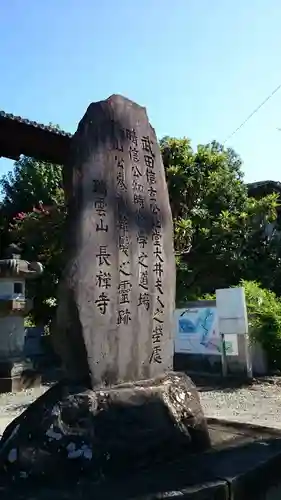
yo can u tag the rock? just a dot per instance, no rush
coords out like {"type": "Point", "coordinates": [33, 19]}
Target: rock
{"type": "Point", "coordinates": [76, 430]}
{"type": "Point", "coordinates": [117, 295]}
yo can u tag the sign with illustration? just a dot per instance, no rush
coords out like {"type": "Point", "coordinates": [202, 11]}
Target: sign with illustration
{"type": "Point", "coordinates": [196, 332]}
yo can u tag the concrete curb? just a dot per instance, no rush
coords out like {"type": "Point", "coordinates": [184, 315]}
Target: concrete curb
{"type": "Point", "coordinates": [244, 426]}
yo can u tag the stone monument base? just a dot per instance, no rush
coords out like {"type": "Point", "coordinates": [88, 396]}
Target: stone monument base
{"type": "Point", "coordinates": [243, 464]}
{"type": "Point", "coordinates": [106, 431]}
{"type": "Point", "coordinates": [15, 377]}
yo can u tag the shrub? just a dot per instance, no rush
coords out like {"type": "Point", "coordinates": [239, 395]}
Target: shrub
{"type": "Point", "coordinates": [264, 315]}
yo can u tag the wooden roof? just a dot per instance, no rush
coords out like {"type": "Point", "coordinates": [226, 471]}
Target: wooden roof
{"type": "Point", "coordinates": [19, 136]}
{"type": "Point", "coordinates": [262, 188]}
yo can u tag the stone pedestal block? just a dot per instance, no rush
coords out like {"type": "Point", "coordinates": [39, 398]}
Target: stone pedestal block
{"type": "Point", "coordinates": [75, 430]}
{"type": "Point", "coordinates": [17, 376]}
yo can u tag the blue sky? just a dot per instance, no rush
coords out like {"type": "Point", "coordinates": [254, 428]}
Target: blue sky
{"type": "Point", "coordinates": [199, 66]}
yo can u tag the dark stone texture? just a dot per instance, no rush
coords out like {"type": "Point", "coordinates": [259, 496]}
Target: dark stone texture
{"type": "Point", "coordinates": [243, 464]}
{"type": "Point", "coordinates": [116, 299]}
{"type": "Point", "coordinates": [105, 432]}
{"type": "Point", "coordinates": [27, 380]}
{"type": "Point", "coordinates": [16, 376]}
{"type": "Point", "coordinates": [148, 490]}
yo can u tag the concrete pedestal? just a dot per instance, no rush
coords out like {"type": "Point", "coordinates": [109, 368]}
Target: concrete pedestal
{"type": "Point", "coordinates": [11, 336]}
{"type": "Point", "coordinates": [16, 376]}
{"type": "Point", "coordinates": [16, 372]}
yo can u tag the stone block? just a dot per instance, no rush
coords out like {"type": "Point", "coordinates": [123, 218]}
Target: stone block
{"type": "Point", "coordinates": [106, 431]}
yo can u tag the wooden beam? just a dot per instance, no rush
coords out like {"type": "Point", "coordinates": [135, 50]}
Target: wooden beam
{"type": "Point", "coordinates": [22, 137]}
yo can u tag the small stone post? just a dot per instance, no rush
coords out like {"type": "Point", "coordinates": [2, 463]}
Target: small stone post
{"type": "Point", "coordinates": [15, 372]}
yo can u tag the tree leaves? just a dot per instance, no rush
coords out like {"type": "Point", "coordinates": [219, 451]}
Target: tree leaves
{"type": "Point", "coordinates": [217, 227]}
{"type": "Point", "coordinates": [220, 234]}
{"type": "Point", "coordinates": [34, 213]}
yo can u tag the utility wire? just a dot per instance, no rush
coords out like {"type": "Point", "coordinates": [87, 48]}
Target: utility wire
{"type": "Point", "coordinates": [252, 114]}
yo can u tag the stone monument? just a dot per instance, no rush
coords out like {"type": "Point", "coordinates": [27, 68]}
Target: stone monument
{"type": "Point", "coordinates": [120, 406]}
{"type": "Point", "coordinates": [119, 285]}
{"type": "Point", "coordinates": [15, 372]}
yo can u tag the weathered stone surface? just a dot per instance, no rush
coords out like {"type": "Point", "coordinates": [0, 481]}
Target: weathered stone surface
{"type": "Point", "coordinates": [16, 376]}
{"type": "Point", "coordinates": [73, 429]}
{"type": "Point", "coordinates": [16, 371]}
{"type": "Point", "coordinates": [116, 299]}
{"type": "Point", "coordinates": [244, 463]}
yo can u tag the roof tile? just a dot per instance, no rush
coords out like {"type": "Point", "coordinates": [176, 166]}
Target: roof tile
{"type": "Point", "coordinates": [19, 119]}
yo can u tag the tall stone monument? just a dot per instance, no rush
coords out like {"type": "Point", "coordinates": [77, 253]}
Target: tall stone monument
{"type": "Point", "coordinates": [115, 316]}
{"type": "Point", "coordinates": [117, 297]}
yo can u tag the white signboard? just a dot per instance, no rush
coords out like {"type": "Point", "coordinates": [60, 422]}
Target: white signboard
{"type": "Point", "coordinates": [196, 332]}
{"type": "Point", "coordinates": [232, 310]}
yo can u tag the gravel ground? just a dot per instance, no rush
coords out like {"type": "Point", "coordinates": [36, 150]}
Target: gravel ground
{"type": "Point", "coordinates": [12, 404]}
{"type": "Point", "coordinates": [258, 404]}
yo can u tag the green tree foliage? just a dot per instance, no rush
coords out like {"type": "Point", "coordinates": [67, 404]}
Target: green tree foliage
{"type": "Point", "coordinates": [33, 211]}
{"type": "Point", "coordinates": [264, 311]}
{"type": "Point", "coordinates": [40, 234]}
{"type": "Point", "coordinates": [28, 185]}
{"type": "Point", "coordinates": [219, 231]}
{"type": "Point", "coordinates": [31, 182]}
{"type": "Point", "coordinates": [218, 228]}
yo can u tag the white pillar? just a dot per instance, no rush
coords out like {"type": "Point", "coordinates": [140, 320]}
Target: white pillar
{"type": "Point", "coordinates": [233, 320]}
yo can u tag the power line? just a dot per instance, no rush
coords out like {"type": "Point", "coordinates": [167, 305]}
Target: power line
{"type": "Point", "coordinates": [252, 114]}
